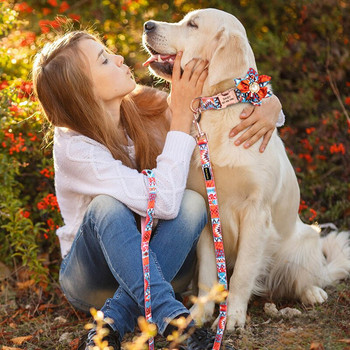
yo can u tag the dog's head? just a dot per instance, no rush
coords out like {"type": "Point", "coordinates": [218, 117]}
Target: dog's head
{"type": "Point", "coordinates": [208, 34]}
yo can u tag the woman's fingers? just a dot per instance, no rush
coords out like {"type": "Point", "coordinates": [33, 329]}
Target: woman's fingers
{"type": "Point", "coordinates": [251, 139]}
{"type": "Point", "coordinates": [243, 125]}
{"type": "Point", "coordinates": [266, 140]}
{"type": "Point", "coordinates": [177, 67]}
{"type": "Point", "coordinates": [201, 79]}
{"type": "Point", "coordinates": [254, 134]}
{"type": "Point", "coordinates": [247, 135]}
{"type": "Point", "coordinates": [186, 75]}
{"type": "Point", "coordinates": [259, 122]}
{"type": "Point", "coordinates": [198, 69]}
{"type": "Point", "coordinates": [194, 69]}
{"type": "Point", "coordinates": [185, 88]}
{"type": "Point", "coordinates": [247, 111]}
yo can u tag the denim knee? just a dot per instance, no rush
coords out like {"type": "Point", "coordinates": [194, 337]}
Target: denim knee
{"type": "Point", "coordinates": [104, 209]}
{"type": "Point", "coordinates": [104, 205]}
{"type": "Point", "coordinates": [193, 210]}
{"type": "Point", "coordinates": [84, 288]}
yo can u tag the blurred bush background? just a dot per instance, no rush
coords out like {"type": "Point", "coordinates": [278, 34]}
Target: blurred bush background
{"type": "Point", "coordinates": [303, 45]}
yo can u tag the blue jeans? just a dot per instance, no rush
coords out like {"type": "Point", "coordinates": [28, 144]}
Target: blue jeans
{"type": "Point", "coordinates": [104, 265]}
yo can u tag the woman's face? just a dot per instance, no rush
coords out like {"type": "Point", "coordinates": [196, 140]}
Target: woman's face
{"type": "Point", "coordinates": [112, 80]}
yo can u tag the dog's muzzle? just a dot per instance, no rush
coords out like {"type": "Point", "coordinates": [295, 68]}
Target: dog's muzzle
{"type": "Point", "coordinates": [161, 63]}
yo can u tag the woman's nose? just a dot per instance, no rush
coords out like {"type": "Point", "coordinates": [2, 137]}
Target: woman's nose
{"type": "Point", "coordinates": [119, 60]}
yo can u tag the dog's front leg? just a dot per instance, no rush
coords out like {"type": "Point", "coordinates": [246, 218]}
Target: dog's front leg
{"type": "Point", "coordinates": [207, 275]}
{"type": "Point", "coordinates": [255, 227]}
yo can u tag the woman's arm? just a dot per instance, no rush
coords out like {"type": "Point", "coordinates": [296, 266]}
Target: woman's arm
{"type": "Point", "coordinates": [85, 167]}
{"type": "Point", "coordinates": [184, 88]}
{"type": "Point", "coordinates": [262, 121]}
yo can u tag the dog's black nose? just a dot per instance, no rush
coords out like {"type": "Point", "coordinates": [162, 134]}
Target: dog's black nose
{"type": "Point", "coordinates": [149, 26]}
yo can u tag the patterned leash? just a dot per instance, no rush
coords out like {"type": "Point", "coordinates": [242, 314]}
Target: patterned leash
{"type": "Point", "coordinates": [202, 142]}
{"type": "Point", "coordinates": [252, 88]}
{"type": "Point", "coordinates": [146, 231]}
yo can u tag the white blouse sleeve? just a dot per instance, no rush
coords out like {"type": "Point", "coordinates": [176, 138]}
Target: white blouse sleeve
{"type": "Point", "coordinates": [281, 119]}
{"type": "Point", "coordinates": [88, 168]}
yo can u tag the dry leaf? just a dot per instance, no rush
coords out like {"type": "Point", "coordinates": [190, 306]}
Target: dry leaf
{"type": "Point", "coordinates": [346, 341]}
{"type": "Point", "coordinates": [316, 346]}
{"type": "Point", "coordinates": [74, 344]}
{"type": "Point", "coordinates": [21, 340]}
{"type": "Point", "coordinates": [9, 348]}
{"type": "Point", "coordinates": [46, 306]}
{"type": "Point", "coordinates": [26, 284]}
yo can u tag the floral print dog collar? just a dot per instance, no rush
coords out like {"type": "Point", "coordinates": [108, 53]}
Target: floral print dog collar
{"type": "Point", "coordinates": [252, 88]}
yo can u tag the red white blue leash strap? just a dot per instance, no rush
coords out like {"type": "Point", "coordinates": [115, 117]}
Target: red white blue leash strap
{"type": "Point", "coordinates": [216, 226]}
{"type": "Point", "coordinates": [202, 142]}
{"type": "Point", "coordinates": [146, 232]}
{"type": "Point", "coordinates": [252, 88]}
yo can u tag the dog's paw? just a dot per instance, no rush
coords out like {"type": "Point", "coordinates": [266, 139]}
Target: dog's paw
{"type": "Point", "coordinates": [202, 313]}
{"type": "Point", "coordinates": [313, 295]}
{"type": "Point", "coordinates": [238, 327]}
{"type": "Point", "coordinates": [236, 319]}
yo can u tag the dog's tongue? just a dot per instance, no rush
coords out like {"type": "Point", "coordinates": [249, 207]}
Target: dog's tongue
{"type": "Point", "coordinates": [159, 58]}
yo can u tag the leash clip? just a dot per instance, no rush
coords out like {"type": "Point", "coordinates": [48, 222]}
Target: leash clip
{"type": "Point", "coordinates": [196, 118]}
{"type": "Point", "coordinates": [197, 114]}
{"type": "Point", "coordinates": [195, 109]}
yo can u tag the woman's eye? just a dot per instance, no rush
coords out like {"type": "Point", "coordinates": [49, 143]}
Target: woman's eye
{"type": "Point", "coordinates": [105, 61]}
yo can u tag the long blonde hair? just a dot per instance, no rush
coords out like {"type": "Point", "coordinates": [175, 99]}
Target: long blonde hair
{"type": "Point", "coordinates": [66, 97]}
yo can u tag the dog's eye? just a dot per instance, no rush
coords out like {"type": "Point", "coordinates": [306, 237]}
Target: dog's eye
{"type": "Point", "coordinates": [192, 24]}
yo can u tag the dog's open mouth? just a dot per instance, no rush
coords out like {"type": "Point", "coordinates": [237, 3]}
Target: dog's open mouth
{"type": "Point", "coordinates": [160, 63]}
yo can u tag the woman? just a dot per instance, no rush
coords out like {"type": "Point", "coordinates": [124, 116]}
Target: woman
{"type": "Point", "coordinates": [106, 132]}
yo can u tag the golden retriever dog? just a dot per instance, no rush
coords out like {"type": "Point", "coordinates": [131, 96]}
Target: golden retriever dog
{"type": "Point", "coordinates": [269, 250]}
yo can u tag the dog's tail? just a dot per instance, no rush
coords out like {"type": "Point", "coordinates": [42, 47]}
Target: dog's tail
{"type": "Point", "coordinates": [336, 249]}
{"type": "Point", "coordinates": [306, 260]}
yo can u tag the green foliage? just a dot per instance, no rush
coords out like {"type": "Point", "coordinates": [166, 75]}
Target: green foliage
{"type": "Point", "coordinates": [304, 45]}
{"type": "Point", "coordinates": [26, 230]}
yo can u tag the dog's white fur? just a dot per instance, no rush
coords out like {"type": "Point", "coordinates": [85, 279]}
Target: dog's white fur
{"type": "Point", "coordinates": [268, 248]}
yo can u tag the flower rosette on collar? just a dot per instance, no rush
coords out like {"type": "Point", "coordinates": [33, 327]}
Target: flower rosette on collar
{"type": "Point", "coordinates": [253, 88]}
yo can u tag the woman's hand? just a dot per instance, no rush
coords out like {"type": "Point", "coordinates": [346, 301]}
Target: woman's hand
{"type": "Point", "coordinates": [184, 88]}
{"type": "Point", "coordinates": [262, 121]}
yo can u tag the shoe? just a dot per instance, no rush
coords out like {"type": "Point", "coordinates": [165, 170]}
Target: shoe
{"type": "Point", "coordinates": [202, 339]}
{"type": "Point", "coordinates": [87, 342]}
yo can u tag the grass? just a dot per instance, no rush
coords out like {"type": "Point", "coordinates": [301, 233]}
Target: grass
{"type": "Point", "coordinates": [50, 322]}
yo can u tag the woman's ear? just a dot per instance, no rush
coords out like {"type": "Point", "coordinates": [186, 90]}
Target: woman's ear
{"type": "Point", "coordinates": [230, 58]}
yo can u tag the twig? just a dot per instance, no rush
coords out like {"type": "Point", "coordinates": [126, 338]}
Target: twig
{"type": "Point", "coordinates": [334, 86]}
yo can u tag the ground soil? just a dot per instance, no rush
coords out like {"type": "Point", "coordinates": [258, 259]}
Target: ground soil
{"type": "Point", "coordinates": [49, 322]}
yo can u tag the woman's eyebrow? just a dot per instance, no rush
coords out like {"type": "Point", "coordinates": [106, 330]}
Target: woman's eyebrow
{"type": "Point", "coordinates": [100, 53]}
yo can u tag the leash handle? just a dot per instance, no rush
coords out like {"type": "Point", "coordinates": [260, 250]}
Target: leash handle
{"type": "Point", "coordinates": [146, 231]}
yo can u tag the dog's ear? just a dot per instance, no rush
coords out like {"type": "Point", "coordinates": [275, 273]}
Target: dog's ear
{"type": "Point", "coordinates": [230, 58]}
